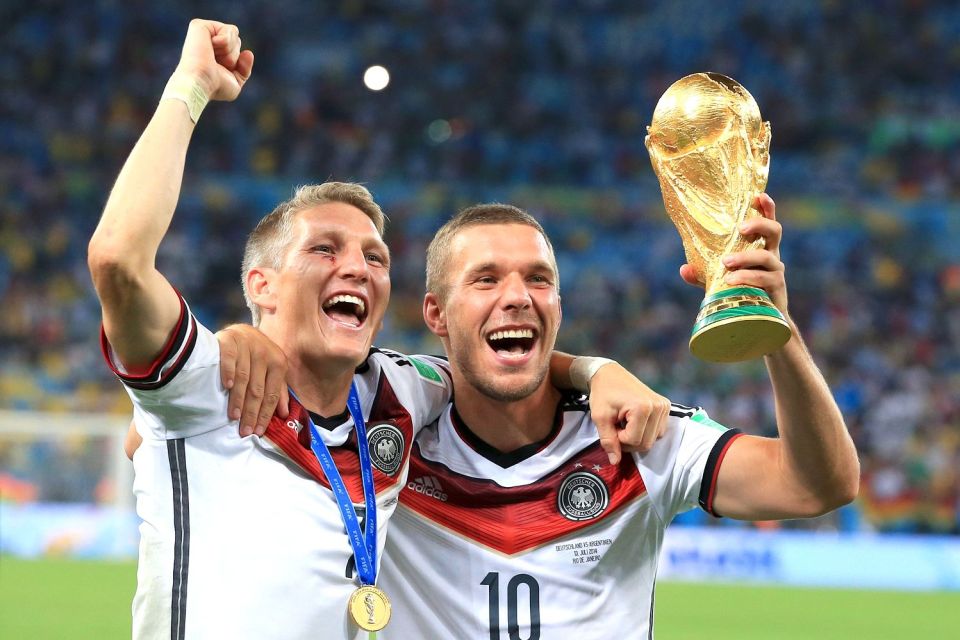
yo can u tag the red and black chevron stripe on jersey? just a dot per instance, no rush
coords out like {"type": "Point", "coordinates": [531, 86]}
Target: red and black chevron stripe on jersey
{"type": "Point", "coordinates": [175, 354]}
{"type": "Point", "coordinates": [294, 440]}
{"type": "Point", "coordinates": [515, 519]}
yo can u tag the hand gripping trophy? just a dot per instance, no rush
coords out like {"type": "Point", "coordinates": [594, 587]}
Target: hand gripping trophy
{"type": "Point", "coordinates": [711, 153]}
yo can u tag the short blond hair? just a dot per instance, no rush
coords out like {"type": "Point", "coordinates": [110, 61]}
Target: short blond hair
{"type": "Point", "coordinates": [438, 253]}
{"type": "Point", "coordinates": [267, 244]}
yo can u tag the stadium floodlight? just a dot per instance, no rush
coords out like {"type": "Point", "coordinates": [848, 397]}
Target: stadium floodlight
{"type": "Point", "coordinates": [376, 78]}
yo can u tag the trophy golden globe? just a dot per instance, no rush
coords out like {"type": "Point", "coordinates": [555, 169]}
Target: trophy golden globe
{"type": "Point", "coordinates": [711, 152]}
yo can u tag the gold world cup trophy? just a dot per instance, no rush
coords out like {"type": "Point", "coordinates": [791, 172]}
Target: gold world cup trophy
{"type": "Point", "coordinates": [711, 152]}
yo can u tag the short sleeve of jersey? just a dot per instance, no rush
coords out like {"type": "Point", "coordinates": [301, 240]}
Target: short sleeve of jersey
{"type": "Point", "coordinates": [425, 379]}
{"type": "Point", "coordinates": [181, 394]}
{"type": "Point", "coordinates": [680, 471]}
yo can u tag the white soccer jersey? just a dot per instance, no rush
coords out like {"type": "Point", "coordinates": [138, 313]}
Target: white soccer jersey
{"type": "Point", "coordinates": [549, 542]}
{"type": "Point", "coordinates": [236, 540]}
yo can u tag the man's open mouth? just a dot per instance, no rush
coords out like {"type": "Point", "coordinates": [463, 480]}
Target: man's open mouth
{"type": "Point", "coordinates": [512, 342]}
{"type": "Point", "coordinates": [346, 309]}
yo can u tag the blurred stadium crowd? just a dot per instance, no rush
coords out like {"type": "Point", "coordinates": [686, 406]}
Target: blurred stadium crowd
{"type": "Point", "coordinates": [545, 108]}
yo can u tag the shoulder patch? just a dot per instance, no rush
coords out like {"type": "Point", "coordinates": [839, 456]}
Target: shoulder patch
{"type": "Point", "coordinates": [426, 371]}
{"type": "Point", "coordinates": [702, 417]}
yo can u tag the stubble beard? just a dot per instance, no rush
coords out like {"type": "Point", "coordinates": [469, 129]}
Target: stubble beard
{"type": "Point", "coordinates": [493, 387]}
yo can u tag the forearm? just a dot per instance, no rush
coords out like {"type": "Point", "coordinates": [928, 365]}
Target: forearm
{"type": "Point", "coordinates": [560, 370]}
{"type": "Point", "coordinates": [144, 197]}
{"type": "Point", "coordinates": [817, 454]}
{"type": "Point", "coordinates": [575, 372]}
{"type": "Point", "coordinates": [139, 306]}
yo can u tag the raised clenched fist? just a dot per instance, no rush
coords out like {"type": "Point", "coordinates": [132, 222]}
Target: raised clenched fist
{"type": "Point", "coordinates": [213, 58]}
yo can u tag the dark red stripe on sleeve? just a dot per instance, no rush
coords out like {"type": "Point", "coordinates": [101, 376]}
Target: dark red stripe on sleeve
{"type": "Point", "coordinates": [180, 345]}
{"type": "Point", "coordinates": [708, 485]}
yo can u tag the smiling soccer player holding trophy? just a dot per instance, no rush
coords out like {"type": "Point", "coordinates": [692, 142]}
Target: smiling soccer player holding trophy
{"type": "Point", "coordinates": [711, 152]}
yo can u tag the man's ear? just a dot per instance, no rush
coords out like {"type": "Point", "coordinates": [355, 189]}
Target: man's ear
{"type": "Point", "coordinates": [434, 315]}
{"type": "Point", "coordinates": [260, 281]}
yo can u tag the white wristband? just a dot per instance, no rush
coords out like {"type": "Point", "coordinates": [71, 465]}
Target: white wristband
{"type": "Point", "coordinates": [188, 91]}
{"type": "Point", "coordinates": [583, 368]}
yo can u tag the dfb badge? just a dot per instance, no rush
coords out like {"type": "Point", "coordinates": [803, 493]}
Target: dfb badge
{"type": "Point", "coordinates": [582, 496]}
{"type": "Point", "coordinates": [385, 442]}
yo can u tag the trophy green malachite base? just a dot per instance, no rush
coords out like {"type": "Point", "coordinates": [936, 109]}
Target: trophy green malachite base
{"type": "Point", "coordinates": [738, 324]}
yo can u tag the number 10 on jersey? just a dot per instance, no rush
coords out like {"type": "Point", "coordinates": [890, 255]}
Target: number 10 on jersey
{"type": "Point", "coordinates": [492, 582]}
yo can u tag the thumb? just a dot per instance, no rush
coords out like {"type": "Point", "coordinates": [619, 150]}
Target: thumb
{"type": "Point", "coordinates": [690, 275]}
{"type": "Point", "coordinates": [244, 66]}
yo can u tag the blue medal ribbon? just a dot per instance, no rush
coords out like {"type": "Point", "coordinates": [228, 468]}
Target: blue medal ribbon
{"type": "Point", "coordinates": [364, 544]}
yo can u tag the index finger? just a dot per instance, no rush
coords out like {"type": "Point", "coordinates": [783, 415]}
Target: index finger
{"type": "Point", "coordinates": [228, 360]}
{"type": "Point", "coordinates": [226, 46]}
{"type": "Point", "coordinates": [275, 400]}
{"type": "Point", "coordinates": [610, 441]}
{"type": "Point", "coordinates": [767, 228]}
{"type": "Point", "coordinates": [766, 206]}
{"type": "Point", "coordinates": [238, 393]}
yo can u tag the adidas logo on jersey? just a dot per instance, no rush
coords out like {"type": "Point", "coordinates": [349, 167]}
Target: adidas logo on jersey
{"type": "Point", "coordinates": [428, 486]}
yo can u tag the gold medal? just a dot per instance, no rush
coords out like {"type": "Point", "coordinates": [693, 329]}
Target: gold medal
{"type": "Point", "coordinates": [370, 608]}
